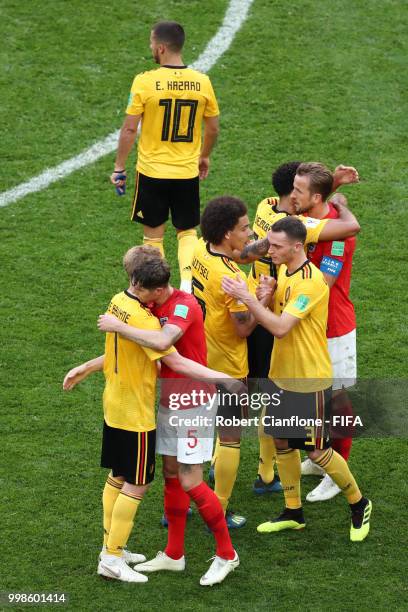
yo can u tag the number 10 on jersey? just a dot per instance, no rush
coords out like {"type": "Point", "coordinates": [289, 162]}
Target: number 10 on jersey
{"type": "Point", "coordinates": [189, 106]}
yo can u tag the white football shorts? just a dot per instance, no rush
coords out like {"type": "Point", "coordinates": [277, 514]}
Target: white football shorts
{"type": "Point", "coordinates": [186, 434]}
{"type": "Point", "coordinates": [343, 355]}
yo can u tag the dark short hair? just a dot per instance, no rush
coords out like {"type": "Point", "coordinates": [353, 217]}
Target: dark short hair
{"type": "Point", "coordinates": [171, 33]}
{"type": "Point", "coordinates": [293, 228]}
{"type": "Point", "coordinates": [283, 177]}
{"type": "Point", "coordinates": [154, 273]}
{"type": "Point", "coordinates": [220, 216]}
{"type": "Point", "coordinates": [321, 179]}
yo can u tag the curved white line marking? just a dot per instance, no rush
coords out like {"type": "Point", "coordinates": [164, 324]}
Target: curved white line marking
{"type": "Point", "coordinates": [235, 16]}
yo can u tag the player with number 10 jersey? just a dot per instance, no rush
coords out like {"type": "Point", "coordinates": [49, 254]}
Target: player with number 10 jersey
{"type": "Point", "coordinates": [173, 101]}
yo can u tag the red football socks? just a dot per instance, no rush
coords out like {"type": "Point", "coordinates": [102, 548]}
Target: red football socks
{"type": "Point", "coordinates": [342, 446]}
{"type": "Point", "coordinates": [212, 513]}
{"type": "Point", "coordinates": [342, 435]}
{"type": "Point", "coordinates": [176, 504]}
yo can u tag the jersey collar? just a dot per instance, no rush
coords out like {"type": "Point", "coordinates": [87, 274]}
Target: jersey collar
{"type": "Point", "coordinates": [132, 297]}
{"type": "Point", "coordinates": [207, 244]}
{"type": "Point", "coordinates": [279, 212]}
{"type": "Point", "coordinates": [169, 66]}
{"type": "Point", "coordinates": [298, 269]}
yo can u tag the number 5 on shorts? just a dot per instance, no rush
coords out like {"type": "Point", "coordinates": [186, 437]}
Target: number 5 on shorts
{"type": "Point", "coordinates": [192, 438]}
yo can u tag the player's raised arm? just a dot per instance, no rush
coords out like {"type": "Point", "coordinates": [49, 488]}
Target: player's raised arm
{"type": "Point", "coordinates": [345, 226]}
{"type": "Point", "coordinates": [81, 372]}
{"type": "Point", "coordinates": [344, 175]}
{"type": "Point", "coordinates": [279, 326]}
{"type": "Point", "coordinates": [252, 251]}
{"type": "Point", "coordinates": [160, 340]}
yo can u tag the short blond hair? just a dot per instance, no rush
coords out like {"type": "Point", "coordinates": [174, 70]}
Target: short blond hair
{"type": "Point", "coordinates": [137, 255]}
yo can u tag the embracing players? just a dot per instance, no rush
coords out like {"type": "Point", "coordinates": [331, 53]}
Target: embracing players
{"type": "Point", "coordinates": [301, 375]}
{"type": "Point", "coordinates": [184, 448]}
{"type": "Point", "coordinates": [260, 342]}
{"type": "Point", "coordinates": [129, 432]}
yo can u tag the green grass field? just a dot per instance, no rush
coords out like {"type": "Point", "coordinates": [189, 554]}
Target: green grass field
{"type": "Point", "coordinates": [317, 80]}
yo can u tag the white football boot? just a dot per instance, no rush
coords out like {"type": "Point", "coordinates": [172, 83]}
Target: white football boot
{"type": "Point", "coordinates": [116, 568]}
{"type": "Point", "coordinates": [128, 556]}
{"type": "Point", "coordinates": [311, 469]}
{"type": "Point", "coordinates": [162, 562]}
{"type": "Point", "coordinates": [324, 491]}
{"type": "Point", "coordinates": [219, 570]}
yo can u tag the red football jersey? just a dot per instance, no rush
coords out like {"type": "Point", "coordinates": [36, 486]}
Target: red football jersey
{"type": "Point", "coordinates": [183, 310]}
{"type": "Point", "coordinates": [336, 258]}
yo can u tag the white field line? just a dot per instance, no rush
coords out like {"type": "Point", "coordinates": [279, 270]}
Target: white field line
{"type": "Point", "coordinates": [235, 16]}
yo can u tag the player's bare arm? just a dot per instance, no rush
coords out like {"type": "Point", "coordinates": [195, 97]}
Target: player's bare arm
{"type": "Point", "coordinates": [279, 326]}
{"type": "Point", "coordinates": [330, 279]}
{"type": "Point", "coordinates": [266, 290]}
{"type": "Point", "coordinates": [126, 141]}
{"type": "Point", "coordinates": [81, 372]}
{"type": "Point", "coordinates": [252, 251]}
{"type": "Point", "coordinates": [160, 340]}
{"type": "Point", "coordinates": [338, 198]}
{"type": "Point", "coordinates": [196, 371]}
{"type": "Point", "coordinates": [244, 323]}
{"type": "Point", "coordinates": [344, 175]}
{"type": "Point", "coordinates": [211, 131]}
{"type": "Point", "coordinates": [345, 226]}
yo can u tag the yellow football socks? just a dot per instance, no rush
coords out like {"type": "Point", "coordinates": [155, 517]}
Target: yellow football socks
{"type": "Point", "coordinates": [109, 497]}
{"type": "Point", "coordinates": [288, 462]}
{"type": "Point", "coordinates": [267, 457]}
{"type": "Point", "coordinates": [155, 242]}
{"type": "Point", "coordinates": [187, 240]}
{"type": "Point", "coordinates": [226, 468]}
{"type": "Point", "coordinates": [123, 515]}
{"type": "Point", "coordinates": [215, 453]}
{"type": "Point", "coordinates": [339, 471]}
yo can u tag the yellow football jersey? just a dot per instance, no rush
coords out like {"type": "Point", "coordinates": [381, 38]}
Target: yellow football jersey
{"type": "Point", "coordinates": [226, 351]}
{"type": "Point", "coordinates": [173, 102]}
{"type": "Point", "coordinates": [266, 215]}
{"type": "Point", "coordinates": [300, 361]}
{"type": "Point", "coordinates": [130, 370]}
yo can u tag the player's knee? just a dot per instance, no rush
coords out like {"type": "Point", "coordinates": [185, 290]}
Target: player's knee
{"type": "Point", "coordinates": [190, 476]}
{"type": "Point", "coordinates": [281, 444]}
{"type": "Point", "coordinates": [230, 435]}
{"type": "Point", "coordinates": [118, 478]}
{"type": "Point", "coordinates": [134, 490]}
{"type": "Point", "coordinates": [170, 466]}
{"type": "Point", "coordinates": [315, 454]}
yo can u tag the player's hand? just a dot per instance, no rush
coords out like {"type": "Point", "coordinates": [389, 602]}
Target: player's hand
{"type": "Point", "coordinates": [233, 385]}
{"type": "Point", "coordinates": [74, 377]}
{"type": "Point", "coordinates": [338, 199]}
{"type": "Point", "coordinates": [345, 175]}
{"type": "Point", "coordinates": [108, 323]}
{"type": "Point", "coordinates": [118, 178]}
{"type": "Point", "coordinates": [235, 287]}
{"type": "Point", "coordinates": [265, 289]}
{"type": "Point", "coordinates": [203, 167]}
{"type": "Point", "coordinates": [338, 204]}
